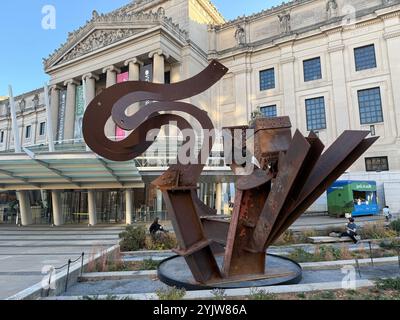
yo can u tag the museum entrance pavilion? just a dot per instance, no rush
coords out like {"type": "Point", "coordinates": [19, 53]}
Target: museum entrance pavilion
{"type": "Point", "coordinates": [74, 186]}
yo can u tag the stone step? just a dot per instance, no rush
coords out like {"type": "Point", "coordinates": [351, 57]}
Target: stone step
{"type": "Point", "coordinates": [329, 239]}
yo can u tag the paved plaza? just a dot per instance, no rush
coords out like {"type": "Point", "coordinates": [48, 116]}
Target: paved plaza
{"type": "Point", "coordinates": [24, 252]}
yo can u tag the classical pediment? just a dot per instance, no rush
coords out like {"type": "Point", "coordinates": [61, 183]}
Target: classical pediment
{"type": "Point", "coordinates": [97, 40]}
{"type": "Point", "coordinates": [107, 29]}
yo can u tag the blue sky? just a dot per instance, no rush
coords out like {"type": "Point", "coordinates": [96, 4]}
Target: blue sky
{"type": "Point", "coordinates": [24, 42]}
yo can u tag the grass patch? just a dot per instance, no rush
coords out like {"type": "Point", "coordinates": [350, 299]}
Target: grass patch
{"type": "Point", "coordinates": [389, 284]}
{"type": "Point", "coordinates": [149, 264]}
{"type": "Point", "coordinates": [388, 289]}
{"type": "Point", "coordinates": [376, 230]}
{"type": "Point", "coordinates": [259, 294]}
{"type": "Point", "coordinates": [171, 294]}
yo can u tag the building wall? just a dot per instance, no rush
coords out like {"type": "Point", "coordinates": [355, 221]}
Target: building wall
{"type": "Point", "coordinates": [314, 32]}
{"type": "Point", "coordinates": [239, 92]}
{"type": "Point", "coordinates": [30, 112]}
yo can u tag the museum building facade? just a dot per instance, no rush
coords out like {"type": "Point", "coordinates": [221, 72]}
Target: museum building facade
{"type": "Point", "coordinates": [331, 65]}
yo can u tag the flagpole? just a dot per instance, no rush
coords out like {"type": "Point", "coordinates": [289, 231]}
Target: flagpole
{"type": "Point", "coordinates": [14, 122]}
{"type": "Point", "coordinates": [50, 135]}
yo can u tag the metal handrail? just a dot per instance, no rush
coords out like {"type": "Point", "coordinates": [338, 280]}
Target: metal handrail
{"type": "Point", "coordinates": [68, 265]}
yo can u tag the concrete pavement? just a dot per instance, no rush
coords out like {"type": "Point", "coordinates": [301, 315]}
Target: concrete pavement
{"type": "Point", "coordinates": [25, 252]}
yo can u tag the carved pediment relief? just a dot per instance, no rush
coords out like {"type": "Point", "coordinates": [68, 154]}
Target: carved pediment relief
{"type": "Point", "coordinates": [108, 29]}
{"type": "Point", "coordinates": [99, 39]}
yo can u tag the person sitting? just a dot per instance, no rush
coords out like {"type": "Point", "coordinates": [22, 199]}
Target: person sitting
{"type": "Point", "coordinates": [156, 227]}
{"type": "Point", "coordinates": [351, 230]}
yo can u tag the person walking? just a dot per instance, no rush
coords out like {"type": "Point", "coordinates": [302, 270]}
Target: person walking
{"type": "Point", "coordinates": [387, 214]}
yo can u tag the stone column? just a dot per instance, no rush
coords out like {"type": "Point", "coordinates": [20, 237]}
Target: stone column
{"type": "Point", "coordinates": [90, 86]}
{"type": "Point", "coordinates": [92, 207]}
{"type": "Point", "coordinates": [111, 75]}
{"type": "Point", "coordinates": [111, 79]}
{"type": "Point", "coordinates": [24, 208]}
{"type": "Point", "coordinates": [134, 68]}
{"type": "Point", "coordinates": [129, 206]}
{"type": "Point", "coordinates": [158, 57]}
{"type": "Point", "coordinates": [69, 121]}
{"type": "Point", "coordinates": [54, 105]}
{"type": "Point", "coordinates": [159, 201]}
{"type": "Point", "coordinates": [58, 218]}
{"type": "Point", "coordinates": [218, 199]}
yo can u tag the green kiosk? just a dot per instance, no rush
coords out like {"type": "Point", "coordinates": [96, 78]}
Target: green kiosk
{"type": "Point", "coordinates": [356, 197]}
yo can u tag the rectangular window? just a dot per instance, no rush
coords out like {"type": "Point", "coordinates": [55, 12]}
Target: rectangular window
{"type": "Point", "coordinates": [377, 164]}
{"type": "Point", "coordinates": [28, 132]}
{"type": "Point", "coordinates": [365, 57]}
{"type": "Point", "coordinates": [269, 111]}
{"type": "Point", "coordinates": [312, 69]}
{"type": "Point", "coordinates": [42, 129]}
{"type": "Point", "coordinates": [2, 137]}
{"type": "Point", "coordinates": [370, 105]}
{"type": "Point", "coordinates": [267, 79]}
{"type": "Point", "coordinates": [315, 113]}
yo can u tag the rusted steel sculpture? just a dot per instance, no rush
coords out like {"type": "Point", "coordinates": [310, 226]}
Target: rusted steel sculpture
{"type": "Point", "coordinates": [292, 174]}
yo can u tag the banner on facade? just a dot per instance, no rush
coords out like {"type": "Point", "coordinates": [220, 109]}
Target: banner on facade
{"type": "Point", "coordinates": [61, 115]}
{"type": "Point", "coordinates": [120, 134]}
{"type": "Point", "coordinates": [79, 112]}
{"type": "Point", "coordinates": [146, 74]}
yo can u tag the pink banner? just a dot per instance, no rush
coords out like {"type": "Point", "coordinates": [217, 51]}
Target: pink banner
{"type": "Point", "coordinates": [119, 133]}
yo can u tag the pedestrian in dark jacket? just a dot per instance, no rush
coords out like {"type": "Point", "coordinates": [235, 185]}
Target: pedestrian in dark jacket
{"type": "Point", "coordinates": [351, 230]}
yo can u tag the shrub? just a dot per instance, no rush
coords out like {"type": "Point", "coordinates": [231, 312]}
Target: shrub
{"type": "Point", "coordinates": [149, 264]}
{"type": "Point", "coordinates": [326, 295]}
{"type": "Point", "coordinates": [395, 225]}
{"type": "Point", "coordinates": [388, 284]}
{"type": "Point", "coordinates": [390, 244]}
{"type": "Point", "coordinates": [161, 241]}
{"type": "Point", "coordinates": [171, 294]}
{"type": "Point", "coordinates": [259, 294]}
{"type": "Point", "coordinates": [376, 231]}
{"type": "Point", "coordinates": [304, 235]}
{"type": "Point", "coordinates": [300, 255]}
{"type": "Point", "coordinates": [219, 294]}
{"type": "Point", "coordinates": [286, 238]}
{"type": "Point", "coordinates": [133, 238]}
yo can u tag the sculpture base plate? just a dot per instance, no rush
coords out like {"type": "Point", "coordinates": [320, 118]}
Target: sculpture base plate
{"type": "Point", "coordinates": [279, 271]}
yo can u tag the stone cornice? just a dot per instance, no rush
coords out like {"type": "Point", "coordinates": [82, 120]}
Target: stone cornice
{"type": "Point", "coordinates": [390, 35]}
{"type": "Point", "coordinates": [267, 12]}
{"type": "Point", "coordinates": [287, 60]}
{"type": "Point", "coordinates": [336, 48]}
{"type": "Point", "coordinates": [121, 22]}
{"type": "Point", "coordinates": [328, 29]}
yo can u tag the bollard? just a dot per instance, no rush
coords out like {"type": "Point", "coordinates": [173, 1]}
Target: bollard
{"type": "Point", "coordinates": [83, 256]}
{"type": "Point", "coordinates": [66, 280]}
{"type": "Point", "coordinates": [370, 253]}
{"type": "Point", "coordinates": [358, 267]}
